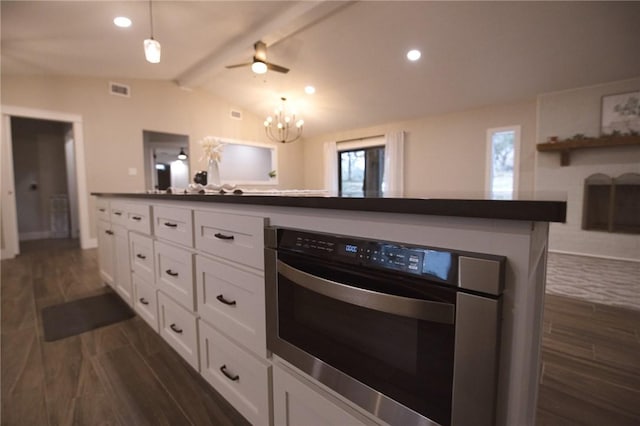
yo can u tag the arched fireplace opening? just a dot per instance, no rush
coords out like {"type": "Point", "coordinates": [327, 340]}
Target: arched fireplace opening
{"type": "Point", "coordinates": [612, 204]}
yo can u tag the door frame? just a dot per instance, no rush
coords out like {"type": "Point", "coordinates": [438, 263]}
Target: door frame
{"type": "Point", "coordinates": [9, 208]}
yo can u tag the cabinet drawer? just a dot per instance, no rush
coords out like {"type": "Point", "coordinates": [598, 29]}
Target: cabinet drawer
{"type": "Point", "coordinates": [102, 210]}
{"type": "Point", "coordinates": [141, 249]}
{"type": "Point", "coordinates": [173, 224]}
{"type": "Point", "coordinates": [178, 327]}
{"type": "Point", "coordinates": [174, 273]}
{"type": "Point", "coordinates": [234, 237]}
{"type": "Point", "coordinates": [146, 301]}
{"type": "Point", "coordinates": [118, 213]}
{"type": "Point", "coordinates": [233, 300]}
{"type": "Point", "coordinates": [138, 218]}
{"type": "Point", "coordinates": [242, 379]}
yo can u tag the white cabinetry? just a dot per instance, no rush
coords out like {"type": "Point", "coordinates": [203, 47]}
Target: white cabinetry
{"type": "Point", "coordinates": [232, 299]}
{"type": "Point", "coordinates": [298, 402]}
{"type": "Point", "coordinates": [179, 328]}
{"type": "Point", "coordinates": [122, 266]}
{"type": "Point", "coordinates": [174, 273]}
{"type": "Point", "coordinates": [173, 224]}
{"type": "Point", "coordinates": [234, 237]}
{"type": "Point", "coordinates": [106, 246]}
{"type": "Point", "coordinates": [242, 378]}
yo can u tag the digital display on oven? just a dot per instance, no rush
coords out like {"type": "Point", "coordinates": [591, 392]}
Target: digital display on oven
{"type": "Point", "coordinates": [351, 248]}
{"type": "Point", "coordinates": [437, 263]}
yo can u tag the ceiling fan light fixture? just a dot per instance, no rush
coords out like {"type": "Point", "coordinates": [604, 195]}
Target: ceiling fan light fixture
{"type": "Point", "coordinates": [259, 67]}
{"type": "Point", "coordinates": [152, 50]}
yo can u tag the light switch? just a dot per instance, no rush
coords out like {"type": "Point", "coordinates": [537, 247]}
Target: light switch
{"type": "Point", "coordinates": [133, 171]}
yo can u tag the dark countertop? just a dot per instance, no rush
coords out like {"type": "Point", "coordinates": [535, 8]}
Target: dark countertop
{"type": "Point", "coordinates": [528, 209]}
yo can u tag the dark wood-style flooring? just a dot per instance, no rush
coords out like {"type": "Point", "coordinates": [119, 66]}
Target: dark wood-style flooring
{"type": "Point", "coordinates": [125, 374]}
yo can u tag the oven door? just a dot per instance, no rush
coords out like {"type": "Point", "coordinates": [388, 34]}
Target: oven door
{"type": "Point", "coordinates": [383, 341]}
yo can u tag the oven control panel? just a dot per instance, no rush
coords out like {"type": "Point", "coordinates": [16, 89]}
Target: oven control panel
{"type": "Point", "coordinates": [423, 261]}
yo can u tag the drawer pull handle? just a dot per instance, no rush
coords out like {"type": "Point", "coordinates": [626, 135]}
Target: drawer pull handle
{"type": "Point", "coordinates": [118, 213]}
{"type": "Point", "coordinates": [103, 210]}
{"type": "Point", "coordinates": [225, 301]}
{"type": "Point", "coordinates": [170, 225]}
{"type": "Point", "coordinates": [143, 301]}
{"type": "Point", "coordinates": [170, 272]}
{"type": "Point", "coordinates": [223, 236]}
{"type": "Point", "coordinates": [138, 218]}
{"type": "Point", "coordinates": [108, 232]}
{"type": "Point", "coordinates": [176, 329]}
{"type": "Point", "coordinates": [141, 256]}
{"type": "Point", "coordinates": [229, 376]}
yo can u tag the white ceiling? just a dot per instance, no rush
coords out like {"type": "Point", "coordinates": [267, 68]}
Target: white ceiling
{"type": "Point", "coordinates": [473, 53]}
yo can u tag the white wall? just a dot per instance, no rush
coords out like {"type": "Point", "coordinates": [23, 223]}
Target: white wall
{"type": "Point", "coordinates": [444, 154]}
{"type": "Point", "coordinates": [564, 114]}
{"type": "Point", "coordinates": [113, 125]}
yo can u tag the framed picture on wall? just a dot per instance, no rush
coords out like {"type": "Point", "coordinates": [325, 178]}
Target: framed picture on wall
{"type": "Point", "coordinates": [621, 114]}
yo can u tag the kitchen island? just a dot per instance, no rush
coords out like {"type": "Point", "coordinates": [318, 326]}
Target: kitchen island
{"type": "Point", "coordinates": [176, 233]}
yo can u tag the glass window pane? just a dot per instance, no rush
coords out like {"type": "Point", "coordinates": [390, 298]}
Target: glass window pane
{"type": "Point", "coordinates": [502, 164]}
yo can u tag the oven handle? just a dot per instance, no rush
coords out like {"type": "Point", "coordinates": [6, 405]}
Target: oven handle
{"type": "Point", "coordinates": [389, 303]}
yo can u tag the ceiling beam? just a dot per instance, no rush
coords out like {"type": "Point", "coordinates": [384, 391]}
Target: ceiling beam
{"type": "Point", "coordinates": [298, 16]}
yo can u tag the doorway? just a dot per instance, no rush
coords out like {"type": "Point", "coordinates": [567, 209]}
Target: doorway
{"type": "Point", "coordinates": [43, 159]}
{"type": "Point", "coordinates": [166, 160]}
{"type": "Point", "coordinates": [56, 199]}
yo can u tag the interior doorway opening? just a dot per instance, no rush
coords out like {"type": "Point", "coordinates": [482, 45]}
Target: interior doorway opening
{"type": "Point", "coordinates": [166, 160]}
{"type": "Point", "coordinates": [44, 179]}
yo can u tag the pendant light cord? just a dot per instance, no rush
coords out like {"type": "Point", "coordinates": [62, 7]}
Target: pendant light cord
{"type": "Point", "coordinates": [151, 17]}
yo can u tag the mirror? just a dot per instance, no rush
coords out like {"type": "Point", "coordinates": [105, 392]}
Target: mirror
{"type": "Point", "coordinates": [163, 166]}
{"type": "Point", "coordinates": [248, 163]}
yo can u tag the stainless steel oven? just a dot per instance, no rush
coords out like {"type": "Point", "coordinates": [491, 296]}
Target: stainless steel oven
{"type": "Point", "coordinates": [408, 333]}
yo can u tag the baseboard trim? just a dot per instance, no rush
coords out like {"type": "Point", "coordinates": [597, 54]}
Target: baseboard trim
{"type": "Point", "coordinates": [90, 244]}
{"type": "Point", "coordinates": [626, 259]}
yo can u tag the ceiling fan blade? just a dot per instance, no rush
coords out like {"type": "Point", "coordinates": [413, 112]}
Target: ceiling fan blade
{"type": "Point", "coordinates": [248, 64]}
{"type": "Point", "coordinates": [277, 68]}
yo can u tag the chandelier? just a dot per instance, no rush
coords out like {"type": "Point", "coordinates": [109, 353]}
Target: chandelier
{"type": "Point", "coordinates": [283, 127]}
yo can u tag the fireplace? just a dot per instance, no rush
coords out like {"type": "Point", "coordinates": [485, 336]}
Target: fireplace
{"type": "Point", "coordinates": [612, 204]}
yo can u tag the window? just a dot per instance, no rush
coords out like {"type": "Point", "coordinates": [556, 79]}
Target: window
{"type": "Point", "coordinates": [503, 146]}
{"type": "Point", "coordinates": [361, 167]}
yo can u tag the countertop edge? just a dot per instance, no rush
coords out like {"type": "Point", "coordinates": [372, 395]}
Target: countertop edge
{"type": "Point", "coordinates": [524, 210]}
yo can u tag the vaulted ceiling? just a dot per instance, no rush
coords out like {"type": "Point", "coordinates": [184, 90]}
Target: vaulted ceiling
{"type": "Point", "coordinates": [473, 53]}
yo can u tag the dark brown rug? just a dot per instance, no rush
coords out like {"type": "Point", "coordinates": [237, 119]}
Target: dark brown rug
{"type": "Point", "coordinates": [79, 316]}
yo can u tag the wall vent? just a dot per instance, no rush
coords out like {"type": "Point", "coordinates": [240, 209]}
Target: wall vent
{"type": "Point", "coordinates": [119, 89]}
{"type": "Point", "coordinates": [235, 114]}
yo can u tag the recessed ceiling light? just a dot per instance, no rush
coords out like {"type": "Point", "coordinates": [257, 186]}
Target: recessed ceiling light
{"type": "Point", "coordinates": [122, 22]}
{"type": "Point", "coordinates": [310, 90]}
{"type": "Point", "coordinates": [413, 55]}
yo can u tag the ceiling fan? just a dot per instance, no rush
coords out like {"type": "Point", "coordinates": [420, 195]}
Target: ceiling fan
{"type": "Point", "coordinates": [260, 64]}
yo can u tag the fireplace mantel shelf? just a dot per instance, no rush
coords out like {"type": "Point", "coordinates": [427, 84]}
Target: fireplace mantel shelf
{"type": "Point", "coordinates": [565, 146]}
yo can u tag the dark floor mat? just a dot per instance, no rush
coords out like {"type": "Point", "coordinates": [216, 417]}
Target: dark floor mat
{"type": "Point", "coordinates": [78, 316]}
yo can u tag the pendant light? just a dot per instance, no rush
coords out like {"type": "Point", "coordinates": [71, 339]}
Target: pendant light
{"type": "Point", "coordinates": [152, 47]}
{"type": "Point", "coordinates": [182, 155]}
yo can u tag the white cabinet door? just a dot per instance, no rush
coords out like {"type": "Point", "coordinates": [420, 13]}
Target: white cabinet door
{"type": "Point", "coordinates": [241, 378]}
{"type": "Point", "coordinates": [232, 299]}
{"type": "Point", "coordinates": [299, 404]}
{"type": "Point", "coordinates": [142, 261]}
{"type": "Point", "coordinates": [122, 267]}
{"type": "Point", "coordinates": [174, 273]}
{"type": "Point", "coordinates": [145, 301]}
{"type": "Point", "coordinates": [173, 224]}
{"type": "Point", "coordinates": [106, 247]}
{"type": "Point", "coordinates": [231, 236]}
{"type": "Point", "coordinates": [179, 328]}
